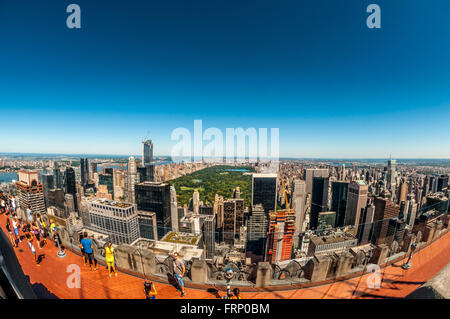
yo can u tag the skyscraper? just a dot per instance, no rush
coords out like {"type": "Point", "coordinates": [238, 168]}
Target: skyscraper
{"type": "Point", "coordinates": [208, 228]}
{"type": "Point", "coordinates": [148, 228]}
{"type": "Point", "coordinates": [442, 183]}
{"type": "Point", "coordinates": [146, 173]}
{"type": "Point", "coordinates": [156, 197]}
{"type": "Point", "coordinates": [412, 212]}
{"type": "Point", "coordinates": [173, 209]}
{"type": "Point", "coordinates": [131, 180]}
{"type": "Point", "coordinates": [119, 177]}
{"type": "Point", "coordinates": [30, 192]}
{"type": "Point", "coordinates": [118, 220]}
{"type": "Point", "coordinates": [403, 191]}
{"type": "Point", "coordinates": [319, 202]}
{"type": "Point", "coordinates": [391, 175]}
{"type": "Point", "coordinates": [257, 227]}
{"type": "Point", "coordinates": [196, 202]}
{"type": "Point", "coordinates": [108, 181]}
{"type": "Point", "coordinates": [280, 236]}
{"type": "Point", "coordinates": [233, 212]}
{"type": "Point", "coordinates": [69, 205]}
{"type": "Point", "coordinates": [439, 202]}
{"type": "Point", "coordinates": [433, 188]}
{"type": "Point", "coordinates": [385, 210]}
{"type": "Point", "coordinates": [366, 224]}
{"type": "Point", "coordinates": [310, 173]}
{"type": "Point", "coordinates": [356, 202]}
{"type": "Point", "coordinates": [56, 198]}
{"type": "Point", "coordinates": [48, 184]}
{"type": "Point", "coordinates": [218, 212]}
{"type": "Point", "coordinates": [57, 178]}
{"type": "Point", "coordinates": [147, 153]}
{"type": "Point", "coordinates": [84, 165]}
{"type": "Point", "coordinates": [264, 190]}
{"type": "Point", "coordinates": [339, 195]}
{"type": "Point", "coordinates": [70, 184]}
{"type": "Point", "coordinates": [299, 206]}
{"type": "Point", "coordinates": [94, 169]}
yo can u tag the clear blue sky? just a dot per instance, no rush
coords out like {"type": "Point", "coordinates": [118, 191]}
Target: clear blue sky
{"type": "Point", "coordinates": [311, 68]}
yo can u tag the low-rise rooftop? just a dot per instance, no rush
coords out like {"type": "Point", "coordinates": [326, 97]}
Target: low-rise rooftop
{"type": "Point", "coordinates": [112, 203]}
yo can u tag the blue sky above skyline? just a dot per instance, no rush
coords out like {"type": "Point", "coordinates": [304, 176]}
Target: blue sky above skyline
{"type": "Point", "coordinates": [313, 69]}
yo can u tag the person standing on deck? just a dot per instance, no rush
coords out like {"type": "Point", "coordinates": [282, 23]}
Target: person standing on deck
{"type": "Point", "coordinates": [178, 272]}
{"type": "Point", "coordinates": [109, 257]}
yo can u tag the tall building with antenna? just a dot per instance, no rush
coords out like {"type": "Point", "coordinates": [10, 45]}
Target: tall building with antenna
{"type": "Point", "coordinates": [391, 175]}
{"type": "Point", "coordinates": [147, 152]}
{"type": "Point", "coordinates": [131, 179]}
{"type": "Point", "coordinates": [84, 165]}
{"type": "Point", "coordinates": [147, 168]}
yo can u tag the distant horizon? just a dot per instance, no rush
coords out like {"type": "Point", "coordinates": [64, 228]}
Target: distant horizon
{"type": "Point", "coordinates": [169, 156]}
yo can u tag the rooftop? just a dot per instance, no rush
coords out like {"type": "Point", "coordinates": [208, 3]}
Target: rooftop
{"type": "Point", "coordinates": [112, 203]}
{"type": "Point", "coordinates": [153, 183]}
{"type": "Point", "coordinates": [165, 248]}
{"type": "Point", "coordinates": [265, 175]}
{"type": "Point", "coordinates": [332, 238]}
{"type": "Point", "coordinates": [181, 238]}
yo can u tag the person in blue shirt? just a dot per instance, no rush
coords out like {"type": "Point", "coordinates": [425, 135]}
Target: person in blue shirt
{"type": "Point", "coordinates": [89, 251]}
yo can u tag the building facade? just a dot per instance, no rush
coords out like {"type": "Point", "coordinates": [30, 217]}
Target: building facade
{"type": "Point", "coordinates": [257, 228]}
{"type": "Point", "coordinates": [280, 236]}
{"type": "Point", "coordinates": [233, 218]}
{"type": "Point", "coordinates": [30, 192]}
{"type": "Point", "coordinates": [356, 202]}
{"type": "Point", "coordinates": [147, 152]}
{"type": "Point", "coordinates": [156, 197]}
{"type": "Point", "coordinates": [119, 220]}
{"type": "Point", "coordinates": [264, 190]}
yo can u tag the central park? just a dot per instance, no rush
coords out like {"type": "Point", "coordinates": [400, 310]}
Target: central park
{"type": "Point", "coordinates": [219, 179]}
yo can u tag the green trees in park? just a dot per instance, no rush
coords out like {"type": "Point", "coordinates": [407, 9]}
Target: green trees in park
{"type": "Point", "coordinates": [220, 179]}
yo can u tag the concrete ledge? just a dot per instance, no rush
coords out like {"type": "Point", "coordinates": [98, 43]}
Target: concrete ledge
{"type": "Point", "coordinates": [437, 287]}
{"type": "Point", "coordinates": [252, 286]}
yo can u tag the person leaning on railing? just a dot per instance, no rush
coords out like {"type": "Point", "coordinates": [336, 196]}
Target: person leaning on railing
{"type": "Point", "coordinates": [53, 232]}
{"type": "Point", "coordinates": [179, 271]}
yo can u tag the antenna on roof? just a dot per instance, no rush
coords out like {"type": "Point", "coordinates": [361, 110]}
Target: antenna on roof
{"type": "Point", "coordinates": [147, 136]}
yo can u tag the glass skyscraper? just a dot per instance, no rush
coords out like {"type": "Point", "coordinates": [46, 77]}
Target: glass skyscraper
{"type": "Point", "coordinates": [155, 197]}
{"type": "Point", "coordinates": [264, 191]}
{"type": "Point", "coordinates": [147, 154]}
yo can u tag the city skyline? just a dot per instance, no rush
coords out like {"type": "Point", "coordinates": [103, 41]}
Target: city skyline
{"type": "Point", "coordinates": [157, 155]}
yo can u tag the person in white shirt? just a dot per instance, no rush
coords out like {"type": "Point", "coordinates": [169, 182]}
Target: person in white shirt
{"type": "Point", "coordinates": [13, 203]}
{"type": "Point", "coordinates": [29, 214]}
{"type": "Point", "coordinates": [15, 224]}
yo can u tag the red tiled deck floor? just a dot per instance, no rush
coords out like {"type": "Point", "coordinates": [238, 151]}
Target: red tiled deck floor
{"type": "Point", "coordinates": [52, 274]}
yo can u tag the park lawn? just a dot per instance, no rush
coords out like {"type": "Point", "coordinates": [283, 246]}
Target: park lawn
{"type": "Point", "coordinates": [211, 181]}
